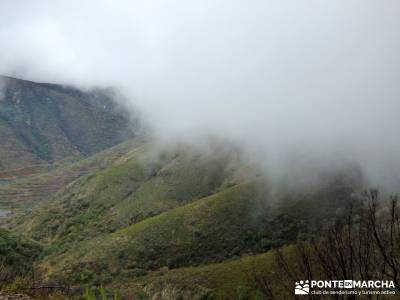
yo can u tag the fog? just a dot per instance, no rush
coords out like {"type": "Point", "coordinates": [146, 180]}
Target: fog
{"type": "Point", "coordinates": [289, 80]}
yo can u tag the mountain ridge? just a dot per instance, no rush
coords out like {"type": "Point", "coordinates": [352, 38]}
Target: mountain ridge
{"type": "Point", "coordinates": [44, 123]}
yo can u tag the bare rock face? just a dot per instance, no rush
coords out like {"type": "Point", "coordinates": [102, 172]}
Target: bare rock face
{"type": "Point", "coordinates": [44, 123]}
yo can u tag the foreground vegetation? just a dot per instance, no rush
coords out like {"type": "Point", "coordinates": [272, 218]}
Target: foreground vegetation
{"type": "Point", "coordinates": [17, 255]}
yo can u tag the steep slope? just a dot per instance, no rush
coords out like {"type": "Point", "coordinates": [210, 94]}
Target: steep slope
{"type": "Point", "coordinates": [136, 186]}
{"type": "Point", "coordinates": [44, 123]}
{"type": "Point", "coordinates": [236, 220]}
{"type": "Point", "coordinates": [207, 230]}
{"type": "Point", "coordinates": [148, 210]}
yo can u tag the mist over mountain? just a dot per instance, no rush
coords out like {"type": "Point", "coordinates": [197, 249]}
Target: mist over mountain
{"type": "Point", "coordinates": [292, 79]}
{"type": "Point", "coordinates": [199, 149]}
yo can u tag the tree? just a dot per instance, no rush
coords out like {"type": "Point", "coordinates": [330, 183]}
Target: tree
{"type": "Point", "coordinates": [362, 245]}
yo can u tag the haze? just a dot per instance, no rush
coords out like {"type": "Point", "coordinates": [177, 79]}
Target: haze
{"type": "Point", "coordinates": [311, 79]}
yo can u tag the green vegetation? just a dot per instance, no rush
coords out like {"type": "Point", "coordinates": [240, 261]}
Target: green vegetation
{"type": "Point", "coordinates": [100, 293]}
{"type": "Point", "coordinates": [182, 236]}
{"type": "Point", "coordinates": [17, 254]}
{"type": "Point", "coordinates": [226, 280]}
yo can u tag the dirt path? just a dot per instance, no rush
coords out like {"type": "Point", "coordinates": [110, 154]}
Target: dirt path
{"type": "Point", "coordinates": [8, 296]}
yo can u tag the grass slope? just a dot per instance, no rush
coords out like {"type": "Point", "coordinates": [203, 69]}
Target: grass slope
{"type": "Point", "coordinates": [231, 279]}
{"type": "Point", "coordinates": [209, 229]}
{"type": "Point", "coordinates": [136, 186]}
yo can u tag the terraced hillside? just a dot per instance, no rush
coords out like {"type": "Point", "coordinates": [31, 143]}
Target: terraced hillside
{"type": "Point", "coordinates": [27, 191]}
{"type": "Point", "coordinates": [41, 124]}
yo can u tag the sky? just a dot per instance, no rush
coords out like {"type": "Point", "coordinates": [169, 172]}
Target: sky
{"type": "Point", "coordinates": [316, 80]}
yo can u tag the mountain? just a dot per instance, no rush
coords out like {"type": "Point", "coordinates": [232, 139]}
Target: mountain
{"type": "Point", "coordinates": [41, 124]}
{"type": "Point", "coordinates": [108, 208]}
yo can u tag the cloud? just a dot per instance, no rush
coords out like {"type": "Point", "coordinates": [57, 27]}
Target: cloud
{"type": "Point", "coordinates": [314, 78]}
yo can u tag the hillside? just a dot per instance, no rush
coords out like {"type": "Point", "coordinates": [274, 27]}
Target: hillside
{"type": "Point", "coordinates": [27, 191]}
{"type": "Point", "coordinates": [171, 209]}
{"type": "Point", "coordinates": [232, 279]}
{"type": "Point", "coordinates": [41, 124]}
{"type": "Point", "coordinates": [176, 222]}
